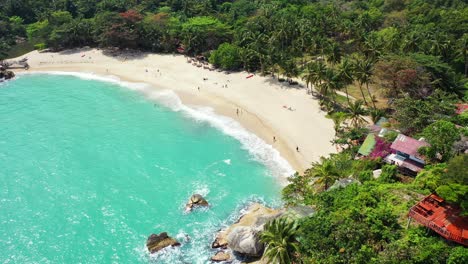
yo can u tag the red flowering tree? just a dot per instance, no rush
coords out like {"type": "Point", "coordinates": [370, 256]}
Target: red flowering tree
{"type": "Point", "coordinates": [131, 16]}
{"type": "Point", "coordinates": [123, 32]}
{"type": "Point", "coordinates": [381, 149]}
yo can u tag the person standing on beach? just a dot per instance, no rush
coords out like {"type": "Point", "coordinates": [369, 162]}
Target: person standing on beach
{"type": "Point", "coordinates": [297, 148]}
{"type": "Point", "coordinates": [237, 111]}
{"type": "Point", "coordinates": [274, 139]}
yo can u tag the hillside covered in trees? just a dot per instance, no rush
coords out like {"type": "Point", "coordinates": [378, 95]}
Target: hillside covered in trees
{"type": "Point", "coordinates": [405, 60]}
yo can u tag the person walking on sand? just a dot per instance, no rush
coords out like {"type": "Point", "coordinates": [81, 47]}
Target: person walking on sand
{"type": "Point", "coordinates": [274, 139]}
{"type": "Point", "coordinates": [297, 148]}
{"type": "Point", "coordinates": [237, 111]}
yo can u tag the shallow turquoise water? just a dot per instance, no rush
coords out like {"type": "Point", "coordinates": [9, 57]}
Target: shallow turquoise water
{"type": "Point", "coordinates": [89, 169]}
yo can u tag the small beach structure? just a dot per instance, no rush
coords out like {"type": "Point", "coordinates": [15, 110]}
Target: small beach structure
{"type": "Point", "coordinates": [442, 217]}
{"type": "Point", "coordinates": [368, 145]}
{"type": "Point", "coordinates": [405, 154]}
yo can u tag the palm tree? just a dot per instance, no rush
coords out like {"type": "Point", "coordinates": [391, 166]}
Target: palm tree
{"type": "Point", "coordinates": [309, 76]}
{"type": "Point", "coordinates": [315, 73]}
{"type": "Point", "coordinates": [338, 118]}
{"type": "Point", "coordinates": [290, 69]}
{"type": "Point", "coordinates": [331, 83]}
{"type": "Point", "coordinates": [372, 47]}
{"type": "Point", "coordinates": [376, 114]}
{"type": "Point", "coordinates": [463, 51]}
{"type": "Point", "coordinates": [325, 171]}
{"type": "Point", "coordinates": [357, 113]}
{"type": "Point", "coordinates": [346, 72]}
{"type": "Point", "coordinates": [279, 235]}
{"type": "Point", "coordinates": [411, 41]}
{"type": "Point", "coordinates": [333, 53]}
{"type": "Point", "coordinates": [364, 70]}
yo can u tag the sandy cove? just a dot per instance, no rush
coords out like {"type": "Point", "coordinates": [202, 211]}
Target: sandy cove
{"type": "Point", "coordinates": [260, 100]}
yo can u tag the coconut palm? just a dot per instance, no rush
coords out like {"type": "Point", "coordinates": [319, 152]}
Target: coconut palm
{"type": "Point", "coordinates": [364, 71]}
{"type": "Point", "coordinates": [338, 118]}
{"type": "Point", "coordinates": [411, 41]}
{"type": "Point", "coordinates": [346, 72]}
{"type": "Point", "coordinates": [314, 73]}
{"type": "Point", "coordinates": [331, 83]}
{"type": "Point", "coordinates": [462, 51]}
{"type": "Point", "coordinates": [324, 171]}
{"type": "Point", "coordinates": [372, 47]}
{"type": "Point", "coordinates": [376, 114]}
{"type": "Point", "coordinates": [333, 53]}
{"type": "Point", "coordinates": [357, 113]}
{"type": "Point", "coordinates": [279, 236]}
{"type": "Point", "coordinates": [308, 76]}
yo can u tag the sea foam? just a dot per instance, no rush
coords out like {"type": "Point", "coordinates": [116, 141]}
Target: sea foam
{"type": "Point", "coordinates": [257, 147]}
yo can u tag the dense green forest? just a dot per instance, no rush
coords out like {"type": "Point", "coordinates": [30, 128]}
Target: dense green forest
{"type": "Point", "coordinates": [406, 60]}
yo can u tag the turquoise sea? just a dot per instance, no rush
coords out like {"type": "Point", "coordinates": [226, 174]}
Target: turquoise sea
{"type": "Point", "coordinates": [90, 167]}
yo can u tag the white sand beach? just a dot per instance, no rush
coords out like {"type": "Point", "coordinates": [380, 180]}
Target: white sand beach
{"type": "Point", "coordinates": [261, 100]}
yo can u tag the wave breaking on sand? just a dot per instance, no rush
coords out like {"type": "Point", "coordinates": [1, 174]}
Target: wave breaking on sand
{"type": "Point", "coordinates": [257, 147]}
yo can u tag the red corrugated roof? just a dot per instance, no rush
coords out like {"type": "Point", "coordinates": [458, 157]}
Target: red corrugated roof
{"type": "Point", "coordinates": [441, 217]}
{"type": "Point", "coordinates": [408, 145]}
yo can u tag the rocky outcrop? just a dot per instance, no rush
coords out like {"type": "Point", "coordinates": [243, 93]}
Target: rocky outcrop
{"type": "Point", "coordinates": [245, 241]}
{"type": "Point", "coordinates": [221, 256]}
{"type": "Point", "coordinates": [158, 242]}
{"type": "Point", "coordinates": [6, 74]}
{"type": "Point", "coordinates": [220, 240]}
{"type": "Point", "coordinates": [196, 201]}
{"type": "Point", "coordinates": [243, 236]}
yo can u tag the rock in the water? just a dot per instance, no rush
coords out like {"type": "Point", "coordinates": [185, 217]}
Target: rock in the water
{"type": "Point", "coordinates": [221, 256]}
{"type": "Point", "coordinates": [158, 242]}
{"type": "Point", "coordinates": [195, 201]}
{"type": "Point", "coordinates": [6, 74]}
{"type": "Point", "coordinates": [220, 241]}
{"type": "Point", "coordinates": [245, 241]}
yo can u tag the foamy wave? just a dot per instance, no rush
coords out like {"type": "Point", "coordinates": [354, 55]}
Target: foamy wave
{"type": "Point", "coordinates": [91, 76]}
{"type": "Point", "coordinates": [258, 148]}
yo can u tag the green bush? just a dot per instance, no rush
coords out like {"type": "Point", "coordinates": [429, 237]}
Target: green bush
{"type": "Point", "coordinates": [40, 46]}
{"type": "Point", "coordinates": [389, 173]}
{"type": "Point", "coordinates": [226, 57]}
{"type": "Point", "coordinates": [364, 176]}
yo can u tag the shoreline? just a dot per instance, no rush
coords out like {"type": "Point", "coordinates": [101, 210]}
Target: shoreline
{"type": "Point", "coordinates": [305, 127]}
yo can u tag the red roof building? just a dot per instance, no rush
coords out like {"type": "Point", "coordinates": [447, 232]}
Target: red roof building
{"type": "Point", "coordinates": [408, 145]}
{"type": "Point", "coordinates": [405, 154]}
{"type": "Point", "coordinates": [442, 217]}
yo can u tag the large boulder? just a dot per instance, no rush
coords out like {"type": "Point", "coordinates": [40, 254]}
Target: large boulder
{"type": "Point", "coordinates": [244, 240]}
{"type": "Point", "coordinates": [158, 242]}
{"type": "Point", "coordinates": [195, 201]}
{"type": "Point", "coordinates": [243, 236]}
{"type": "Point", "coordinates": [220, 240]}
{"type": "Point", "coordinates": [5, 74]}
{"type": "Point", "coordinates": [221, 256]}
